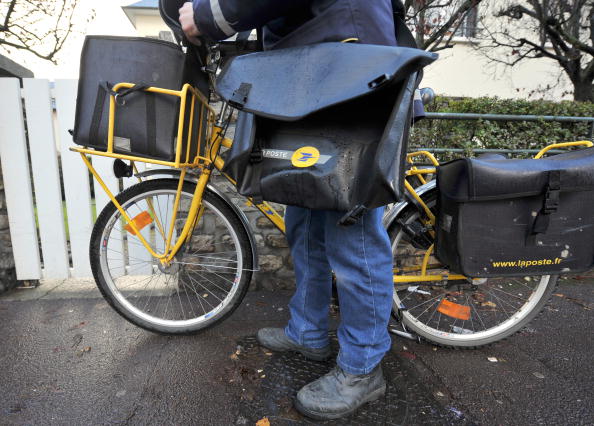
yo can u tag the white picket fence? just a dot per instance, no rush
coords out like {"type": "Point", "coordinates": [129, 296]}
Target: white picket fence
{"type": "Point", "coordinates": [41, 249]}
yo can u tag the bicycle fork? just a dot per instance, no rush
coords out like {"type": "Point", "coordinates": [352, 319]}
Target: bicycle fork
{"type": "Point", "coordinates": [195, 209]}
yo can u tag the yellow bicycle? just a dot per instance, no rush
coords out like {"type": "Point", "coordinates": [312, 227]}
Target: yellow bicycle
{"type": "Point", "coordinates": [174, 255]}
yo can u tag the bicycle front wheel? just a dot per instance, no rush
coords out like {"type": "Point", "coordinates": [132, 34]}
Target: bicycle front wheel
{"type": "Point", "coordinates": [462, 314]}
{"type": "Point", "coordinates": [205, 282]}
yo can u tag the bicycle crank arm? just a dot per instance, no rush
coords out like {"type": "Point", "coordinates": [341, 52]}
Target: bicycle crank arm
{"type": "Point", "coordinates": [404, 334]}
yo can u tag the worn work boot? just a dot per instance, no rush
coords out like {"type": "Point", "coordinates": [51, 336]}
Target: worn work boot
{"type": "Point", "coordinates": [338, 393]}
{"type": "Point", "coordinates": [275, 339]}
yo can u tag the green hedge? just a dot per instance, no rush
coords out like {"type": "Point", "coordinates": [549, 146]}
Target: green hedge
{"type": "Point", "coordinates": [470, 135]}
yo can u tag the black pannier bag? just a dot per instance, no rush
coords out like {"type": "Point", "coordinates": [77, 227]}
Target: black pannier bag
{"type": "Point", "coordinates": [500, 217]}
{"type": "Point", "coordinates": [146, 124]}
{"type": "Point", "coordinates": [323, 126]}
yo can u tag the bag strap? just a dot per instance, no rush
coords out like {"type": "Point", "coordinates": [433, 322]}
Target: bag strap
{"type": "Point", "coordinates": [97, 115]}
{"type": "Point", "coordinates": [404, 37]}
{"type": "Point", "coordinates": [550, 205]}
{"type": "Point", "coordinates": [256, 158]}
{"type": "Point", "coordinates": [151, 123]}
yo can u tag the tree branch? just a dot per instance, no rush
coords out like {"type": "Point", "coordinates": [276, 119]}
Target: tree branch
{"type": "Point", "coordinates": [570, 39]}
{"type": "Point", "coordinates": [39, 27]}
{"type": "Point", "coordinates": [22, 47]}
{"type": "Point", "coordinates": [4, 26]}
{"type": "Point", "coordinates": [447, 44]}
{"type": "Point", "coordinates": [543, 50]}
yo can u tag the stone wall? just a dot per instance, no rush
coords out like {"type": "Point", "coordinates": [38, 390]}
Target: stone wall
{"type": "Point", "coordinates": [276, 265]}
{"type": "Point", "coordinates": [7, 271]}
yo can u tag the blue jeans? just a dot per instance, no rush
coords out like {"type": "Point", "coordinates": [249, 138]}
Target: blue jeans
{"type": "Point", "coordinates": [361, 258]}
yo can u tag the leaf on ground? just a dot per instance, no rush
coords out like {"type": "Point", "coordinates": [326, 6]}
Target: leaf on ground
{"type": "Point", "coordinates": [76, 339]}
{"type": "Point", "coordinates": [263, 422]}
{"type": "Point", "coordinates": [489, 304]}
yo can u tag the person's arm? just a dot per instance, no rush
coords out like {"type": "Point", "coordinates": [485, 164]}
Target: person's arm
{"type": "Point", "coordinates": [220, 19]}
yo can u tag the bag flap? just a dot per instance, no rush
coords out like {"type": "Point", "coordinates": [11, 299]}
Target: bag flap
{"type": "Point", "coordinates": [289, 84]}
{"type": "Point", "coordinates": [481, 179]}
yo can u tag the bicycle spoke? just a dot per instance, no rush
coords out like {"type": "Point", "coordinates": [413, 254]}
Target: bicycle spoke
{"type": "Point", "coordinates": [206, 301]}
{"type": "Point", "coordinates": [427, 301]}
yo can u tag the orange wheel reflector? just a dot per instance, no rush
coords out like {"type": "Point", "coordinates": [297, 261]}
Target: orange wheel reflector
{"type": "Point", "coordinates": [454, 310]}
{"type": "Point", "coordinates": [140, 221]}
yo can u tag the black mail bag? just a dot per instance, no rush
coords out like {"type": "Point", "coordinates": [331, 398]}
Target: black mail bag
{"type": "Point", "coordinates": [322, 126]}
{"type": "Point", "coordinates": [146, 124]}
{"type": "Point", "coordinates": [500, 217]}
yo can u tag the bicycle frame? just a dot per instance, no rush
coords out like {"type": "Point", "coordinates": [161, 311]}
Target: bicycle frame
{"type": "Point", "coordinates": [212, 160]}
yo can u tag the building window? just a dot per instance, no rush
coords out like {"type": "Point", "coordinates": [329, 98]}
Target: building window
{"type": "Point", "coordinates": [167, 36]}
{"type": "Point", "coordinates": [438, 12]}
{"type": "Point", "coordinates": [469, 25]}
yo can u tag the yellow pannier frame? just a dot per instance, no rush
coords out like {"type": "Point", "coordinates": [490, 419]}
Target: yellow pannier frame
{"type": "Point", "coordinates": [209, 145]}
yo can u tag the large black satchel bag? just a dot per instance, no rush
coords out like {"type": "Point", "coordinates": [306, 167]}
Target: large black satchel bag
{"type": "Point", "coordinates": [500, 217]}
{"type": "Point", "coordinates": [146, 124]}
{"type": "Point", "coordinates": [322, 126]}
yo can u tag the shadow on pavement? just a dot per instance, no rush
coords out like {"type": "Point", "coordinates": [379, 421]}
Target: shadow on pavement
{"type": "Point", "coordinates": [268, 383]}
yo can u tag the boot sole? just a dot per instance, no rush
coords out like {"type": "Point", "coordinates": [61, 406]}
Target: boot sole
{"type": "Point", "coordinates": [312, 357]}
{"type": "Point", "coordinates": [376, 394]}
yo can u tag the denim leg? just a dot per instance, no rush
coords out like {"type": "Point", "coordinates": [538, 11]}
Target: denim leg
{"type": "Point", "coordinates": [361, 258]}
{"type": "Point", "coordinates": [309, 305]}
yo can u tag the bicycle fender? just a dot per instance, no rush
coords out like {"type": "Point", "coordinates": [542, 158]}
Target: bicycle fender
{"type": "Point", "coordinates": [220, 194]}
{"type": "Point", "coordinates": [393, 212]}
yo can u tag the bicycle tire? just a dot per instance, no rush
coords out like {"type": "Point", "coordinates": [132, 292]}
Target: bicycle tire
{"type": "Point", "coordinates": [461, 336]}
{"type": "Point", "coordinates": [179, 282]}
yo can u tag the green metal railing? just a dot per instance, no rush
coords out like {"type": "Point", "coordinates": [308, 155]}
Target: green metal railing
{"type": "Point", "coordinates": [505, 117]}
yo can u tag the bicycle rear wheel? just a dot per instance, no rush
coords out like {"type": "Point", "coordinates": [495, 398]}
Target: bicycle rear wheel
{"type": "Point", "coordinates": [459, 314]}
{"type": "Point", "coordinates": [205, 282]}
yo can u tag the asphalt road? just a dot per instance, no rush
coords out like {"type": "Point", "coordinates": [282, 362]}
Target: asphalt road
{"type": "Point", "coordinates": [67, 358]}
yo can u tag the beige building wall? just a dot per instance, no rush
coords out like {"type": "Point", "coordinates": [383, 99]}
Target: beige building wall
{"type": "Point", "coordinates": [462, 71]}
{"type": "Point", "coordinates": [149, 25]}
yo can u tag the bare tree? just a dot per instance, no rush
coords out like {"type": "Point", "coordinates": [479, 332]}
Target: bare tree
{"type": "Point", "coordinates": [437, 22]}
{"type": "Point", "coordinates": [40, 27]}
{"type": "Point", "coordinates": [560, 30]}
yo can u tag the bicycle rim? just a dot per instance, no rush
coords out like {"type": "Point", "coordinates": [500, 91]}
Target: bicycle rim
{"type": "Point", "coordinates": [201, 281]}
{"type": "Point", "coordinates": [462, 313]}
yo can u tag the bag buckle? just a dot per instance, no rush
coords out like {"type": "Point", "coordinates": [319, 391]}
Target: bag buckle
{"type": "Point", "coordinates": [256, 156]}
{"type": "Point", "coordinates": [353, 216]}
{"type": "Point", "coordinates": [380, 81]}
{"type": "Point", "coordinates": [551, 203]}
{"type": "Point", "coordinates": [240, 96]}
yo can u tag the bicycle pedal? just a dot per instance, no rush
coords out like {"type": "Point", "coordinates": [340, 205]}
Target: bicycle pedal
{"type": "Point", "coordinates": [418, 235]}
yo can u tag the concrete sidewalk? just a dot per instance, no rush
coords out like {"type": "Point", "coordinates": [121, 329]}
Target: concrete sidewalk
{"type": "Point", "coordinates": [67, 358]}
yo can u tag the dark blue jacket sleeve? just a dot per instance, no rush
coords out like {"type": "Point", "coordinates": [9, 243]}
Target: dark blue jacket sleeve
{"type": "Point", "coordinates": [220, 19]}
